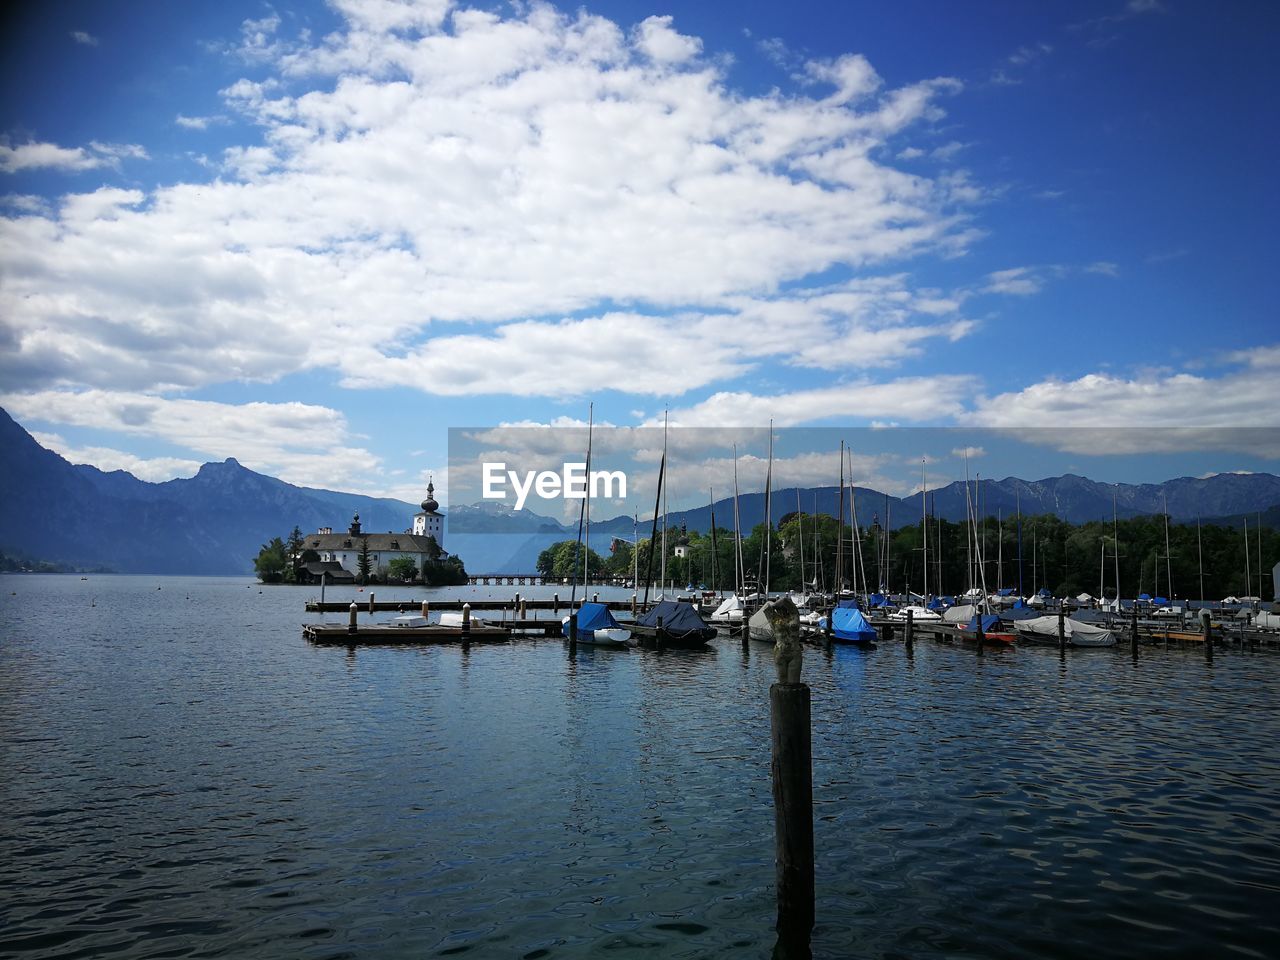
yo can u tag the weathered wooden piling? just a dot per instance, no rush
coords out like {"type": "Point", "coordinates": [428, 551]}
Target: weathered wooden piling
{"type": "Point", "coordinates": [466, 625]}
{"type": "Point", "coordinates": [573, 630]}
{"type": "Point", "coordinates": [633, 606]}
{"type": "Point", "coordinates": [426, 609]}
{"type": "Point", "coordinates": [1133, 629]}
{"type": "Point", "coordinates": [595, 598]}
{"type": "Point", "coordinates": [351, 620]}
{"type": "Point", "coordinates": [909, 631]}
{"type": "Point", "coordinates": [791, 768]}
{"type": "Point", "coordinates": [522, 608]}
{"type": "Point", "coordinates": [981, 635]}
{"type": "Point", "coordinates": [371, 603]}
{"type": "Point", "coordinates": [1062, 629]}
{"type": "Point", "coordinates": [555, 604]}
{"type": "Point", "coordinates": [657, 635]}
{"type": "Point", "coordinates": [827, 628]}
{"type": "Point", "coordinates": [1208, 638]}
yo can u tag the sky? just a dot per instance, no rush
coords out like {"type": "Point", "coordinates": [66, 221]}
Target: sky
{"type": "Point", "coordinates": [315, 236]}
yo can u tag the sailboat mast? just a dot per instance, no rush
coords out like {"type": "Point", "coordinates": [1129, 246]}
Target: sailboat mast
{"type": "Point", "coordinates": [924, 525]}
{"type": "Point", "coordinates": [1248, 574]}
{"type": "Point", "coordinates": [1258, 528]}
{"type": "Point", "coordinates": [1200, 557]}
{"type": "Point", "coordinates": [738, 571]}
{"type": "Point", "coordinates": [1000, 550]}
{"type": "Point", "coordinates": [711, 498]}
{"type": "Point", "coordinates": [800, 537]}
{"type": "Point", "coordinates": [840, 528]}
{"type": "Point", "coordinates": [1115, 536]}
{"type": "Point", "coordinates": [586, 505]}
{"type": "Point", "coordinates": [662, 575]}
{"type": "Point", "coordinates": [768, 514]}
{"type": "Point", "coordinates": [1017, 501]}
{"type": "Point", "coordinates": [1168, 560]}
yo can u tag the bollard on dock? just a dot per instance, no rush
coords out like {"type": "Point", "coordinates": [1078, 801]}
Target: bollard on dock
{"type": "Point", "coordinates": [908, 633]}
{"type": "Point", "coordinates": [466, 624]}
{"type": "Point", "coordinates": [351, 622]}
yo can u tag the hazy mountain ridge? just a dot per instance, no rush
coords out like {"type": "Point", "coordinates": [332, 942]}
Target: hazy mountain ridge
{"type": "Point", "coordinates": [212, 523]}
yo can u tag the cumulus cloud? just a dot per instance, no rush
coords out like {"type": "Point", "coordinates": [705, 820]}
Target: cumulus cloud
{"type": "Point", "coordinates": [1104, 413]}
{"type": "Point", "coordinates": [428, 165]}
{"type": "Point", "coordinates": [151, 469]}
{"type": "Point", "coordinates": [84, 39]}
{"type": "Point", "coordinates": [37, 155]}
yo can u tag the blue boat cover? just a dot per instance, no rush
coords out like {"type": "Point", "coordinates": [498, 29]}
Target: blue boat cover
{"type": "Point", "coordinates": [1144, 596]}
{"type": "Point", "coordinates": [676, 617]}
{"type": "Point", "coordinates": [1044, 592]}
{"type": "Point", "coordinates": [878, 600]}
{"type": "Point", "coordinates": [989, 623]}
{"type": "Point", "coordinates": [593, 616]}
{"type": "Point", "coordinates": [1005, 592]}
{"type": "Point", "coordinates": [1160, 601]}
{"type": "Point", "coordinates": [936, 604]}
{"type": "Point", "coordinates": [849, 624]}
{"type": "Point", "coordinates": [1018, 604]}
{"type": "Point", "coordinates": [848, 605]}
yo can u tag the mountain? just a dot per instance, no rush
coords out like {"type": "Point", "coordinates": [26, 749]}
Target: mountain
{"type": "Point", "coordinates": [212, 523]}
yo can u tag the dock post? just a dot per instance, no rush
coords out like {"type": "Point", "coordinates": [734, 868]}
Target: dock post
{"type": "Point", "coordinates": [1062, 630]}
{"type": "Point", "coordinates": [981, 635]}
{"type": "Point", "coordinates": [1208, 639]}
{"type": "Point", "coordinates": [322, 577]}
{"type": "Point", "coordinates": [426, 609]}
{"type": "Point", "coordinates": [523, 608]}
{"type": "Point", "coordinates": [827, 627]}
{"type": "Point", "coordinates": [466, 625]}
{"type": "Point", "coordinates": [371, 603]}
{"type": "Point", "coordinates": [515, 606]}
{"type": "Point", "coordinates": [633, 606]}
{"type": "Point", "coordinates": [791, 766]}
{"type": "Point", "coordinates": [573, 631]}
{"type": "Point", "coordinates": [351, 621]}
{"type": "Point", "coordinates": [555, 604]}
{"type": "Point", "coordinates": [908, 633]}
{"type": "Point", "coordinates": [595, 598]}
{"type": "Point", "coordinates": [657, 635]}
{"type": "Point", "coordinates": [1133, 629]}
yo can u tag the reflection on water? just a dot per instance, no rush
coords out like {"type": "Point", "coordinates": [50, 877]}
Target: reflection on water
{"type": "Point", "coordinates": [182, 775]}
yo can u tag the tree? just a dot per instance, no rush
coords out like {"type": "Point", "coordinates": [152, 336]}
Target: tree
{"type": "Point", "coordinates": [293, 549]}
{"type": "Point", "coordinates": [363, 564]}
{"type": "Point", "coordinates": [557, 561]}
{"type": "Point", "coordinates": [433, 548]}
{"type": "Point", "coordinates": [403, 568]}
{"type": "Point", "coordinates": [271, 561]}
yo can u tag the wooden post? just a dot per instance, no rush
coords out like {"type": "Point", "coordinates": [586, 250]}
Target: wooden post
{"type": "Point", "coordinates": [371, 603]}
{"type": "Point", "coordinates": [515, 607]}
{"type": "Point", "coordinates": [657, 635]}
{"type": "Point", "coordinates": [908, 634]}
{"type": "Point", "coordinates": [573, 630]}
{"type": "Point", "coordinates": [791, 766]}
{"type": "Point", "coordinates": [466, 624]}
{"type": "Point", "coordinates": [523, 608]}
{"type": "Point", "coordinates": [633, 606]}
{"type": "Point", "coordinates": [595, 598]}
{"type": "Point", "coordinates": [981, 634]}
{"type": "Point", "coordinates": [322, 578]}
{"type": "Point", "coordinates": [827, 629]}
{"type": "Point", "coordinates": [555, 604]}
{"type": "Point", "coordinates": [426, 609]}
{"type": "Point", "coordinates": [351, 621]}
{"type": "Point", "coordinates": [1133, 629]}
{"type": "Point", "coordinates": [1208, 639]}
{"type": "Point", "coordinates": [1062, 629]}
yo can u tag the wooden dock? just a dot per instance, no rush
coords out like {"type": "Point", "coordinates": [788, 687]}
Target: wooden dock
{"type": "Point", "coordinates": [560, 606]}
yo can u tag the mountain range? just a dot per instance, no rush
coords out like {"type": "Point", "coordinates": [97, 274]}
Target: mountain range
{"type": "Point", "coordinates": [215, 522]}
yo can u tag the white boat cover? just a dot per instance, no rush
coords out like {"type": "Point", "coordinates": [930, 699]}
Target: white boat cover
{"type": "Point", "coordinates": [1079, 634]}
{"type": "Point", "coordinates": [758, 627]}
{"type": "Point", "coordinates": [1084, 598]}
{"type": "Point", "coordinates": [918, 614]}
{"type": "Point", "coordinates": [962, 613]}
{"type": "Point", "coordinates": [729, 610]}
{"type": "Point", "coordinates": [1268, 621]}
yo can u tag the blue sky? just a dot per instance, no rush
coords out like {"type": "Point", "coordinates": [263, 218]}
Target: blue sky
{"type": "Point", "coordinates": [314, 237]}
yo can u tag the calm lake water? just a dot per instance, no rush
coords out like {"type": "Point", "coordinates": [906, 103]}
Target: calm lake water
{"type": "Point", "coordinates": [181, 775]}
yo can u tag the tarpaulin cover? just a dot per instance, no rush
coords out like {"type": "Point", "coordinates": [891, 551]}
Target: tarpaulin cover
{"type": "Point", "coordinates": [676, 617]}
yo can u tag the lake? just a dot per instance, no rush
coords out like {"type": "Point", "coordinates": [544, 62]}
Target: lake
{"type": "Point", "coordinates": [182, 775]}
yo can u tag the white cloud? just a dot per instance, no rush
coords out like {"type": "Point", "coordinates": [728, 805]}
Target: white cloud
{"type": "Point", "coordinates": [427, 165]}
{"type": "Point", "coordinates": [198, 123]}
{"type": "Point", "coordinates": [151, 469]}
{"type": "Point", "coordinates": [656, 38]}
{"type": "Point", "coordinates": [299, 443]}
{"type": "Point", "coordinates": [85, 39]}
{"type": "Point", "coordinates": [907, 398]}
{"type": "Point", "coordinates": [971, 452]}
{"type": "Point", "coordinates": [40, 155]}
{"type": "Point", "coordinates": [1104, 413]}
{"type": "Point", "coordinates": [1104, 267]}
{"type": "Point", "coordinates": [1017, 281]}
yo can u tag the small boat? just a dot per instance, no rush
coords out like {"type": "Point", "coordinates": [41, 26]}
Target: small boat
{"type": "Point", "coordinates": [596, 627]}
{"type": "Point", "coordinates": [848, 625]}
{"type": "Point", "coordinates": [992, 635]}
{"type": "Point", "coordinates": [729, 613]}
{"type": "Point", "coordinates": [1044, 630]}
{"type": "Point", "coordinates": [759, 628]}
{"type": "Point", "coordinates": [682, 626]}
{"type": "Point", "coordinates": [918, 614]}
{"type": "Point", "coordinates": [452, 619]}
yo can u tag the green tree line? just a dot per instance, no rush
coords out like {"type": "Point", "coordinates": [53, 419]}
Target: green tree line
{"type": "Point", "coordinates": [1065, 558]}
